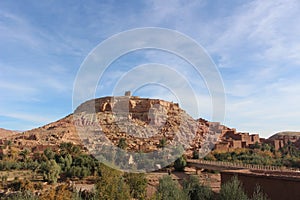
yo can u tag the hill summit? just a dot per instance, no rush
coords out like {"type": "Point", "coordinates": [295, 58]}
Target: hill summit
{"type": "Point", "coordinates": [143, 122]}
{"type": "Point", "coordinates": [145, 125]}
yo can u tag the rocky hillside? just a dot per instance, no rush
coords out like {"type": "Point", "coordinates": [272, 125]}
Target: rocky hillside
{"type": "Point", "coordinates": [6, 133]}
{"type": "Point", "coordinates": [54, 133]}
{"type": "Point", "coordinates": [142, 122]}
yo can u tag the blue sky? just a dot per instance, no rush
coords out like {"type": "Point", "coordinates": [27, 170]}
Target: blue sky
{"type": "Point", "coordinates": [255, 45]}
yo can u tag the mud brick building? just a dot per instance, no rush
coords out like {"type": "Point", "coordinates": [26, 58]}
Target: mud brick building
{"type": "Point", "coordinates": [230, 139]}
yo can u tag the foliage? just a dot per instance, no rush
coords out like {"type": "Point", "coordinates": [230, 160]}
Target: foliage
{"type": "Point", "coordinates": [26, 195]}
{"type": "Point", "coordinates": [195, 154]}
{"type": "Point", "coordinates": [61, 192]}
{"type": "Point", "coordinates": [137, 184]}
{"type": "Point", "coordinates": [162, 143]}
{"type": "Point", "coordinates": [232, 190]}
{"type": "Point", "coordinates": [180, 163]}
{"type": "Point", "coordinates": [25, 155]}
{"type": "Point", "coordinates": [169, 190]}
{"type": "Point", "coordinates": [122, 143]}
{"type": "Point", "coordinates": [260, 154]}
{"type": "Point", "coordinates": [49, 153]}
{"type": "Point", "coordinates": [51, 171]}
{"type": "Point", "coordinates": [84, 195]}
{"type": "Point", "coordinates": [195, 190]}
{"type": "Point", "coordinates": [111, 185]}
{"type": "Point", "coordinates": [69, 148]}
{"type": "Point", "coordinates": [258, 194]}
{"type": "Point", "coordinates": [256, 146]}
{"type": "Point", "coordinates": [210, 156]}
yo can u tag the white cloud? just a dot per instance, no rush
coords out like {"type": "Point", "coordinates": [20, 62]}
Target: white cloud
{"type": "Point", "coordinates": [41, 119]}
{"type": "Point", "coordinates": [256, 43]}
{"type": "Point", "coordinates": [275, 109]}
{"type": "Point", "coordinates": [267, 30]}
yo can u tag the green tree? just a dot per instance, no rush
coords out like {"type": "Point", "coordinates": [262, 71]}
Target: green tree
{"type": "Point", "coordinates": [196, 154]}
{"type": "Point", "coordinates": [232, 190]}
{"type": "Point", "coordinates": [265, 147]}
{"type": "Point", "coordinates": [256, 145]}
{"type": "Point", "coordinates": [69, 148]}
{"type": "Point", "coordinates": [51, 171]}
{"type": "Point", "coordinates": [162, 143]}
{"type": "Point", "coordinates": [49, 153]}
{"type": "Point", "coordinates": [74, 171]}
{"type": "Point", "coordinates": [65, 162]}
{"type": "Point", "coordinates": [195, 190]}
{"type": "Point", "coordinates": [137, 183]}
{"type": "Point", "coordinates": [68, 161]}
{"type": "Point", "coordinates": [169, 190]}
{"type": "Point", "coordinates": [111, 185]}
{"type": "Point", "coordinates": [122, 143]}
{"type": "Point", "coordinates": [180, 163]}
{"type": "Point", "coordinates": [25, 155]}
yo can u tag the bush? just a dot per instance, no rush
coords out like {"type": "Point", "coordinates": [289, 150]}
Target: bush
{"type": "Point", "coordinates": [196, 154]}
{"type": "Point", "coordinates": [111, 185]}
{"type": "Point", "coordinates": [195, 190]}
{"type": "Point", "coordinates": [180, 163]}
{"type": "Point", "coordinates": [232, 190]}
{"type": "Point", "coordinates": [258, 194]}
{"type": "Point", "coordinates": [26, 195]}
{"type": "Point", "coordinates": [137, 184]}
{"type": "Point", "coordinates": [60, 192]}
{"type": "Point", "coordinates": [169, 190]}
{"type": "Point", "coordinates": [162, 143]}
{"type": "Point", "coordinates": [122, 143]}
{"type": "Point", "coordinates": [50, 170]}
{"type": "Point", "coordinates": [49, 153]}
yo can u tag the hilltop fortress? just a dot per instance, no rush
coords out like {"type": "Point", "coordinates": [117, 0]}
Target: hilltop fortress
{"type": "Point", "coordinates": [143, 123]}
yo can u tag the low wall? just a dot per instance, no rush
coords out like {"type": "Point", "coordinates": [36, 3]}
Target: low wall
{"type": "Point", "coordinates": [276, 186]}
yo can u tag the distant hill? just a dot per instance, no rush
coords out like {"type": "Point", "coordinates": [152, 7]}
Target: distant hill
{"type": "Point", "coordinates": [286, 134]}
{"type": "Point", "coordinates": [6, 133]}
{"type": "Point", "coordinates": [54, 133]}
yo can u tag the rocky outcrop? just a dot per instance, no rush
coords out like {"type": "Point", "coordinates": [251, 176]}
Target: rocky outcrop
{"type": "Point", "coordinates": [142, 122]}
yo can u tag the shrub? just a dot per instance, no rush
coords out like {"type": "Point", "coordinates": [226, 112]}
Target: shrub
{"type": "Point", "coordinates": [195, 190]}
{"type": "Point", "coordinates": [137, 184]}
{"type": "Point", "coordinates": [195, 154]}
{"type": "Point", "coordinates": [232, 190]}
{"type": "Point", "coordinates": [122, 143]}
{"type": "Point", "coordinates": [50, 170]}
{"type": "Point", "coordinates": [49, 153]}
{"type": "Point", "coordinates": [180, 163]}
{"type": "Point", "coordinates": [111, 185]}
{"type": "Point", "coordinates": [26, 195]}
{"type": "Point", "coordinates": [162, 143]}
{"type": "Point", "coordinates": [169, 190]}
{"type": "Point", "coordinates": [258, 194]}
